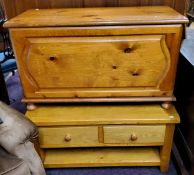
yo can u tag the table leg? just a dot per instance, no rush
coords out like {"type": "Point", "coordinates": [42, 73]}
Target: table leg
{"type": "Point", "coordinates": [166, 148]}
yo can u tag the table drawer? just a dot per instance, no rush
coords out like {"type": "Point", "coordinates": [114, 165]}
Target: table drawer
{"type": "Point", "coordinates": [131, 134]}
{"type": "Point", "coordinates": [50, 137]}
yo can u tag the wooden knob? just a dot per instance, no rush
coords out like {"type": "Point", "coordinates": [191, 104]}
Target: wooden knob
{"type": "Point", "coordinates": [133, 137]}
{"type": "Point", "coordinates": [67, 137]}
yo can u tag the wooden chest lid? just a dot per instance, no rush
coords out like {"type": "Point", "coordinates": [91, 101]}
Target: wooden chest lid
{"type": "Point", "coordinates": [96, 17]}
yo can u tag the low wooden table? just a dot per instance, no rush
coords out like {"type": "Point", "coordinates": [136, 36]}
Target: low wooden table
{"type": "Point", "coordinates": [105, 135]}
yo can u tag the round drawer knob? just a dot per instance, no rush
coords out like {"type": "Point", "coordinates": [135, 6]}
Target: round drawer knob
{"type": "Point", "coordinates": [133, 137]}
{"type": "Point", "coordinates": [67, 137]}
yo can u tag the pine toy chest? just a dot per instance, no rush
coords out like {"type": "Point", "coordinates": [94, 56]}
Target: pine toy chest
{"type": "Point", "coordinates": [97, 54]}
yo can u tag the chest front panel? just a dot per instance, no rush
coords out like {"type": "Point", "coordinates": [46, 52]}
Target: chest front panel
{"type": "Point", "coordinates": [97, 61]}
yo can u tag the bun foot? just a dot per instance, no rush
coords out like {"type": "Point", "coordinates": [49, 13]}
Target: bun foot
{"type": "Point", "coordinates": [31, 106]}
{"type": "Point", "coordinates": [166, 105]}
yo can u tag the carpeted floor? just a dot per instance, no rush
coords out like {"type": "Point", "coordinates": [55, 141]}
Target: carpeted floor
{"type": "Point", "coordinates": [15, 95]}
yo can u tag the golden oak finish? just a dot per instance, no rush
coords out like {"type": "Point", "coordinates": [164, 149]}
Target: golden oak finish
{"type": "Point", "coordinates": [100, 55]}
{"type": "Point", "coordinates": [36, 93]}
{"type": "Point", "coordinates": [100, 134]}
{"type": "Point", "coordinates": [110, 99]}
{"type": "Point", "coordinates": [93, 157]}
{"type": "Point", "coordinates": [13, 7]}
{"type": "Point", "coordinates": [102, 114]}
{"type": "Point", "coordinates": [123, 127]}
{"type": "Point", "coordinates": [134, 134]}
{"type": "Point", "coordinates": [68, 136]}
{"type": "Point", "coordinates": [166, 149]}
{"type": "Point", "coordinates": [96, 16]}
{"type": "Point", "coordinates": [67, 59]}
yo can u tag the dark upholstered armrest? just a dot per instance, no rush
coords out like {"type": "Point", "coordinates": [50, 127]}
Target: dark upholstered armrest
{"type": "Point", "coordinates": [16, 134]}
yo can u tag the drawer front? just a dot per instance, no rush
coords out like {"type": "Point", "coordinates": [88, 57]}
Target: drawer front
{"type": "Point", "coordinates": [146, 134]}
{"type": "Point", "coordinates": [53, 137]}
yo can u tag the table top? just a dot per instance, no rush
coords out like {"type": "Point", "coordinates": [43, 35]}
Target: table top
{"type": "Point", "coordinates": [97, 17]}
{"type": "Point", "coordinates": [53, 115]}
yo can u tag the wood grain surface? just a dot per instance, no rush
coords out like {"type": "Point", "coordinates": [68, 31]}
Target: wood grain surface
{"type": "Point", "coordinates": [93, 157]}
{"type": "Point", "coordinates": [143, 134]}
{"type": "Point", "coordinates": [97, 62]}
{"type": "Point", "coordinates": [78, 136]}
{"type": "Point", "coordinates": [165, 150]}
{"type": "Point", "coordinates": [102, 114]}
{"type": "Point", "coordinates": [41, 77]}
{"type": "Point", "coordinates": [15, 7]}
{"type": "Point", "coordinates": [97, 16]}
